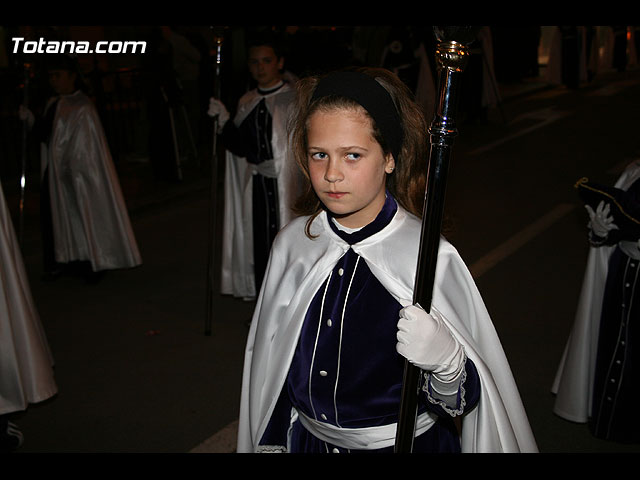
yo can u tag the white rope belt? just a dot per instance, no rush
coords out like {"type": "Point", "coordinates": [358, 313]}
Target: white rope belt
{"type": "Point", "coordinates": [267, 168]}
{"type": "Point", "coordinates": [366, 438]}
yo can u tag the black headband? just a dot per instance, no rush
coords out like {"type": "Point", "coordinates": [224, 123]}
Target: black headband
{"type": "Point", "coordinates": [372, 96]}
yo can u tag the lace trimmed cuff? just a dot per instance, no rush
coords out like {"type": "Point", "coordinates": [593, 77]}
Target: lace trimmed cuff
{"type": "Point", "coordinates": [454, 403]}
{"type": "Point", "coordinates": [271, 449]}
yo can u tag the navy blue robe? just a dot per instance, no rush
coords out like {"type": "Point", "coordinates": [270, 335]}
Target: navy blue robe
{"type": "Point", "coordinates": [618, 362]}
{"type": "Point", "coordinates": [346, 370]}
{"type": "Point", "coordinates": [615, 388]}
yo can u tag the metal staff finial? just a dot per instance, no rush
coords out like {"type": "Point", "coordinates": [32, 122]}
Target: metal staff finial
{"type": "Point", "coordinates": [452, 54]}
{"type": "Point", "coordinates": [218, 38]}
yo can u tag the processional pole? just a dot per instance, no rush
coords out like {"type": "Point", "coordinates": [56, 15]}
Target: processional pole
{"type": "Point", "coordinates": [25, 131]}
{"type": "Point", "coordinates": [218, 34]}
{"type": "Point", "coordinates": [451, 55]}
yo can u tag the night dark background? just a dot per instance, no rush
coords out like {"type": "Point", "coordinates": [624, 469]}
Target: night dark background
{"type": "Point", "coordinates": [127, 89]}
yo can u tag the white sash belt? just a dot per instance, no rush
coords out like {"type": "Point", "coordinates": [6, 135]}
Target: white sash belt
{"type": "Point", "coordinates": [267, 168]}
{"type": "Point", "coordinates": [366, 438]}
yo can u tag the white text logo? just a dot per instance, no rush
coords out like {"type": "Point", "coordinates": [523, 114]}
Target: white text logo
{"type": "Point", "coordinates": [67, 46]}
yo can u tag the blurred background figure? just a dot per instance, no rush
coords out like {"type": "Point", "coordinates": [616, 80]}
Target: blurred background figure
{"type": "Point", "coordinates": [186, 60]}
{"type": "Point", "coordinates": [26, 363]}
{"type": "Point", "coordinates": [85, 223]}
{"type": "Point", "coordinates": [260, 184]}
{"type": "Point", "coordinates": [596, 382]}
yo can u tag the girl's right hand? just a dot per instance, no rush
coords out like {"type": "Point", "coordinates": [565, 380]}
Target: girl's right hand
{"type": "Point", "coordinates": [426, 341]}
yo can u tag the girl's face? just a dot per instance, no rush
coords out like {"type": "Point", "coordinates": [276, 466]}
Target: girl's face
{"type": "Point", "coordinates": [347, 166]}
{"type": "Point", "coordinates": [265, 66]}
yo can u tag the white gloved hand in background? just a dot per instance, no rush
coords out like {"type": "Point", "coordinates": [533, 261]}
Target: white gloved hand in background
{"type": "Point", "coordinates": [600, 222]}
{"type": "Point", "coordinates": [25, 115]}
{"type": "Point", "coordinates": [216, 107]}
{"type": "Point", "coordinates": [426, 342]}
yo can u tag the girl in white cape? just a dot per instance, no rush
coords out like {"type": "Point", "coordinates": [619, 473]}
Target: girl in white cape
{"type": "Point", "coordinates": [333, 323]}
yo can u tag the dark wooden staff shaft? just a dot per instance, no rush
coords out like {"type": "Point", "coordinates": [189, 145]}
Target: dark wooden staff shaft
{"type": "Point", "coordinates": [213, 191]}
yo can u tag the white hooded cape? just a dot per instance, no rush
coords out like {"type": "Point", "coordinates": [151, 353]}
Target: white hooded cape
{"type": "Point", "coordinates": [90, 218]}
{"type": "Point", "coordinates": [237, 275]}
{"type": "Point", "coordinates": [298, 266]}
{"type": "Point", "coordinates": [573, 383]}
{"type": "Point", "coordinates": [26, 363]}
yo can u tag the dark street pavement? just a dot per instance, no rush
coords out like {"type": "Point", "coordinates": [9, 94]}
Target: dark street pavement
{"type": "Point", "coordinates": [137, 374]}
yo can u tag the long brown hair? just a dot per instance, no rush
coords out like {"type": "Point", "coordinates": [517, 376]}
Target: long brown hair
{"type": "Point", "coordinates": [407, 182]}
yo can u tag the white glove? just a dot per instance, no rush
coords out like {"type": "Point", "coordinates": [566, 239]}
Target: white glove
{"type": "Point", "coordinates": [426, 342]}
{"type": "Point", "coordinates": [25, 115]}
{"type": "Point", "coordinates": [216, 107]}
{"type": "Point", "coordinates": [601, 223]}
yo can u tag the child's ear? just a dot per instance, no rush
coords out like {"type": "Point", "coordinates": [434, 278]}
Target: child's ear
{"type": "Point", "coordinates": [390, 164]}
